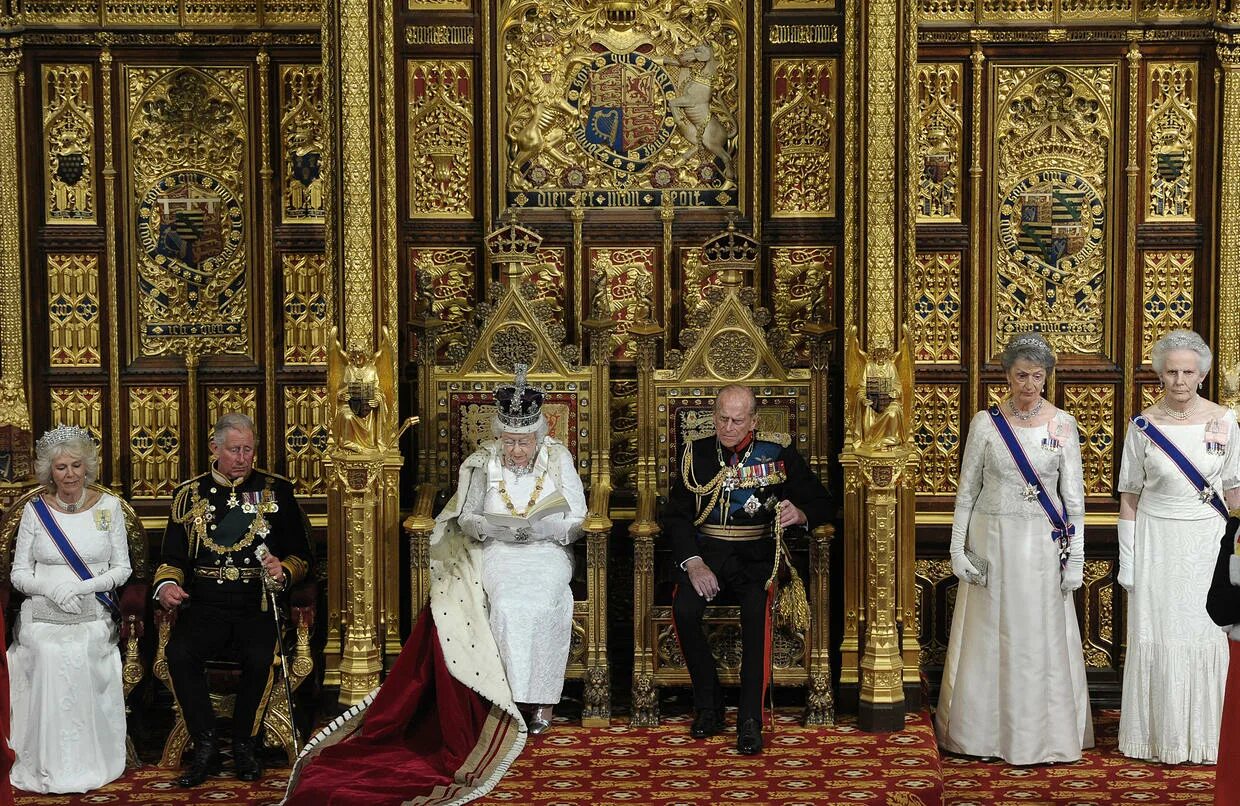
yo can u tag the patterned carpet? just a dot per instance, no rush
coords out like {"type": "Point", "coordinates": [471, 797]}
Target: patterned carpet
{"type": "Point", "coordinates": [622, 766]}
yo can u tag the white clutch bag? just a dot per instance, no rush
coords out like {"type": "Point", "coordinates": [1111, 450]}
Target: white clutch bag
{"type": "Point", "coordinates": [44, 610]}
{"type": "Point", "coordinates": [981, 564]}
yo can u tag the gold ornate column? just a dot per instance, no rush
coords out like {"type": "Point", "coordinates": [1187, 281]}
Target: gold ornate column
{"type": "Point", "coordinates": [597, 690]}
{"type": "Point", "coordinates": [882, 36]}
{"type": "Point", "coordinates": [1228, 339]}
{"type": "Point", "coordinates": [14, 407]}
{"type": "Point", "coordinates": [363, 460]}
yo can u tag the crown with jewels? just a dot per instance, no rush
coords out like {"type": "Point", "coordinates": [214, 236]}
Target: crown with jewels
{"type": "Point", "coordinates": [520, 405]}
{"type": "Point", "coordinates": [60, 435]}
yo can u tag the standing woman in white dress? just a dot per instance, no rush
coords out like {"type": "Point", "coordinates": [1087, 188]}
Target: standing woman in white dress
{"type": "Point", "coordinates": [1180, 473]}
{"type": "Point", "coordinates": [1014, 682]}
{"type": "Point", "coordinates": [526, 571]}
{"type": "Point", "coordinates": [68, 706]}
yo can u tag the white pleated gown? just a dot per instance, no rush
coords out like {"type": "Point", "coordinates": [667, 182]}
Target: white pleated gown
{"type": "Point", "coordinates": [1014, 682]}
{"type": "Point", "coordinates": [1176, 667]}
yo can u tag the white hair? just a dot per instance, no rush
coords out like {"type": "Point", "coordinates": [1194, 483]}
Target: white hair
{"type": "Point", "coordinates": [78, 447]}
{"type": "Point", "coordinates": [1181, 340]}
{"type": "Point", "coordinates": [1031, 347]}
{"type": "Point", "coordinates": [231, 422]}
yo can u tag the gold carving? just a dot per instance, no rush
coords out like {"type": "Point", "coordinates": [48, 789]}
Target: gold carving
{"type": "Point", "coordinates": [1093, 405]}
{"type": "Point", "coordinates": [223, 400]}
{"type": "Point", "coordinates": [439, 35]}
{"type": "Point", "coordinates": [307, 309]}
{"type": "Point", "coordinates": [154, 440]}
{"type": "Point", "coordinates": [1053, 158]}
{"type": "Point", "coordinates": [447, 277]}
{"type": "Point", "coordinates": [804, 122]}
{"type": "Point", "coordinates": [804, 291]}
{"type": "Point", "coordinates": [935, 306]}
{"type": "Point", "coordinates": [221, 12]}
{"type": "Point", "coordinates": [1097, 615]}
{"type": "Point", "coordinates": [1228, 356]}
{"type": "Point", "coordinates": [305, 437]}
{"type": "Point", "coordinates": [545, 284]}
{"type": "Point", "coordinates": [821, 5]}
{"type": "Point", "coordinates": [613, 107]}
{"type": "Point", "coordinates": [624, 435]}
{"type": "Point", "coordinates": [292, 12]}
{"type": "Point", "coordinates": [69, 144]}
{"type": "Point", "coordinates": [881, 166]}
{"type": "Point", "coordinates": [301, 142]}
{"type": "Point", "coordinates": [878, 386]}
{"type": "Point", "coordinates": [696, 278]}
{"type": "Point", "coordinates": [188, 144]}
{"type": "Point", "coordinates": [79, 405]}
{"type": "Point", "coordinates": [939, 136]}
{"type": "Point", "coordinates": [1166, 295]}
{"type": "Point", "coordinates": [73, 310]}
{"type": "Point", "coordinates": [441, 139]}
{"type": "Point", "coordinates": [1151, 393]}
{"type": "Point", "coordinates": [803, 34]}
{"type": "Point", "coordinates": [935, 581]}
{"type": "Point", "coordinates": [363, 396]}
{"type": "Point", "coordinates": [439, 5]}
{"type": "Point", "coordinates": [628, 273]}
{"type": "Point", "coordinates": [1171, 126]}
{"type": "Point", "coordinates": [61, 12]}
{"type": "Point", "coordinates": [14, 409]}
{"type": "Point", "coordinates": [142, 12]}
{"type": "Point", "coordinates": [936, 432]}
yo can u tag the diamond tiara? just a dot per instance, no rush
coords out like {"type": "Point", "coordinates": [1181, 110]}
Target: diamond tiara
{"type": "Point", "coordinates": [60, 435]}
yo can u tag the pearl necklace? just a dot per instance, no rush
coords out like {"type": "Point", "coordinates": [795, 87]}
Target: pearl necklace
{"type": "Point", "coordinates": [1025, 416]}
{"type": "Point", "coordinates": [503, 495]}
{"type": "Point", "coordinates": [68, 506]}
{"type": "Point", "coordinates": [1177, 415]}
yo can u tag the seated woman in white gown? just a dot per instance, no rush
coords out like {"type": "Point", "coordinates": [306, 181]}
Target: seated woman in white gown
{"type": "Point", "coordinates": [525, 503]}
{"type": "Point", "coordinates": [68, 706]}
{"type": "Point", "coordinates": [1014, 681]}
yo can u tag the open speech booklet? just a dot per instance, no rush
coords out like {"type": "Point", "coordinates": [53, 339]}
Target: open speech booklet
{"type": "Point", "coordinates": [552, 504]}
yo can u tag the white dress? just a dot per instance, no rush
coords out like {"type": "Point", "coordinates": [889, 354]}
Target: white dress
{"type": "Point", "coordinates": [1176, 667]}
{"type": "Point", "coordinates": [1014, 682]}
{"type": "Point", "coordinates": [529, 602]}
{"type": "Point", "coordinates": [67, 698]}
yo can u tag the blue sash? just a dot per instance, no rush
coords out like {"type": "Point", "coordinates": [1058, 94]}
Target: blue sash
{"type": "Point", "coordinates": [67, 551]}
{"type": "Point", "coordinates": [1205, 491]}
{"type": "Point", "coordinates": [1062, 530]}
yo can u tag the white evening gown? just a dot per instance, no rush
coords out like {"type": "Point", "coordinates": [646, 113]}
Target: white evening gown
{"type": "Point", "coordinates": [1014, 682]}
{"type": "Point", "coordinates": [66, 692]}
{"type": "Point", "coordinates": [1176, 667]}
{"type": "Point", "coordinates": [529, 602]}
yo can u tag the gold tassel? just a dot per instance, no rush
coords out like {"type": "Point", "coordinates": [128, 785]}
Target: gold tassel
{"type": "Point", "coordinates": [792, 608]}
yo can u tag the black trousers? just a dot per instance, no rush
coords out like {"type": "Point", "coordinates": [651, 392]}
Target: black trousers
{"type": "Point", "coordinates": [742, 569]}
{"type": "Point", "coordinates": [202, 633]}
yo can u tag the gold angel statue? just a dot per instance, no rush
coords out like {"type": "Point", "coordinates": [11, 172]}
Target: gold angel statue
{"type": "Point", "coordinates": [878, 386]}
{"type": "Point", "coordinates": [363, 390]}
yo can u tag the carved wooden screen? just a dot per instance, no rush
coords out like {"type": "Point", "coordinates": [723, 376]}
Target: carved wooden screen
{"type": "Point", "coordinates": [1065, 188]}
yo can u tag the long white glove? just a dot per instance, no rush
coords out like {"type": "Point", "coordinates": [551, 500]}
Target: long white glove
{"type": "Point", "coordinates": [97, 584]}
{"type": "Point", "coordinates": [961, 566]}
{"type": "Point", "coordinates": [1074, 572]}
{"type": "Point", "coordinates": [481, 529]}
{"type": "Point", "coordinates": [66, 597]}
{"type": "Point", "coordinates": [1127, 532]}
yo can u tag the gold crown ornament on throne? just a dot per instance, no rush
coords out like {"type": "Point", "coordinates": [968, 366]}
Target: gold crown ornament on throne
{"type": "Point", "coordinates": [519, 405]}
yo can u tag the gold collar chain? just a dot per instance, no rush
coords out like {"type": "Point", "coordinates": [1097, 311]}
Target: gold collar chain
{"type": "Point", "coordinates": [503, 495]}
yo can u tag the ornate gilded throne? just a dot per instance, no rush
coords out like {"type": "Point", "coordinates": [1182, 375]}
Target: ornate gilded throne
{"type": "Point", "coordinates": [725, 341]}
{"type": "Point", "coordinates": [455, 402]}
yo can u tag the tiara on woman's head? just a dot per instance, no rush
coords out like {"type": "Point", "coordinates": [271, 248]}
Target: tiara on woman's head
{"type": "Point", "coordinates": [60, 435]}
{"type": "Point", "coordinates": [1029, 341]}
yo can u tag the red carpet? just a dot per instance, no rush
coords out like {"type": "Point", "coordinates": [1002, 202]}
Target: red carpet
{"type": "Point", "coordinates": [575, 766]}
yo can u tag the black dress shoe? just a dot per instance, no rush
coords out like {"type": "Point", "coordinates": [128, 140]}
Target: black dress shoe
{"type": "Point", "coordinates": [203, 761]}
{"type": "Point", "coordinates": [246, 765]}
{"type": "Point", "coordinates": [749, 738]}
{"type": "Point", "coordinates": [706, 722]}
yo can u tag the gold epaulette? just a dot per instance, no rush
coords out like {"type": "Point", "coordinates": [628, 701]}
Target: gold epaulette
{"type": "Point", "coordinates": [1235, 513]}
{"type": "Point", "coordinates": [181, 498]}
{"type": "Point", "coordinates": [273, 475]}
{"type": "Point", "coordinates": [782, 440]}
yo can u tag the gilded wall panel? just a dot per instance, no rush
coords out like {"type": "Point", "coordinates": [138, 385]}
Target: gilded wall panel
{"type": "Point", "coordinates": [940, 130]}
{"type": "Point", "coordinates": [293, 12]}
{"type": "Point", "coordinates": [1171, 141]}
{"type": "Point", "coordinates": [1166, 295]}
{"type": "Point", "coordinates": [441, 139]}
{"type": "Point", "coordinates": [449, 274]}
{"type": "Point", "coordinates": [302, 133]}
{"type": "Point", "coordinates": [60, 12]}
{"type": "Point", "coordinates": [620, 107]}
{"type": "Point", "coordinates": [142, 12]}
{"type": "Point", "coordinates": [695, 278]}
{"type": "Point", "coordinates": [1019, 10]}
{"type": "Point", "coordinates": [223, 400]}
{"type": "Point", "coordinates": [155, 430]}
{"type": "Point", "coordinates": [1151, 393]}
{"type": "Point", "coordinates": [934, 307]}
{"type": "Point", "coordinates": [1053, 157]}
{"type": "Point", "coordinates": [439, 5]}
{"type": "Point", "coordinates": [629, 273]}
{"type": "Point", "coordinates": [68, 144]}
{"type": "Point", "coordinates": [1097, 613]}
{"type": "Point", "coordinates": [623, 434]}
{"type": "Point", "coordinates": [221, 12]}
{"type": "Point", "coordinates": [947, 10]}
{"type": "Point", "coordinates": [804, 290]}
{"type": "Point", "coordinates": [996, 393]}
{"type": "Point", "coordinates": [804, 129]}
{"type": "Point", "coordinates": [548, 283]}
{"type": "Point", "coordinates": [188, 147]}
{"type": "Point", "coordinates": [305, 437]}
{"type": "Point", "coordinates": [73, 310]}
{"type": "Point", "coordinates": [1096, 10]}
{"type": "Point", "coordinates": [78, 405]}
{"type": "Point", "coordinates": [936, 599]}
{"type": "Point", "coordinates": [1093, 406]}
{"type": "Point", "coordinates": [822, 5]}
{"type": "Point", "coordinates": [936, 430]}
{"type": "Point", "coordinates": [307, 309]}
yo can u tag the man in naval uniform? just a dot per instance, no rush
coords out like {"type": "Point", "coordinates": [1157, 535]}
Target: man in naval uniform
{"type": "Point", "coordinates": [720, 518]}
{"type": "Point", "coordinates": [210, 569]}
